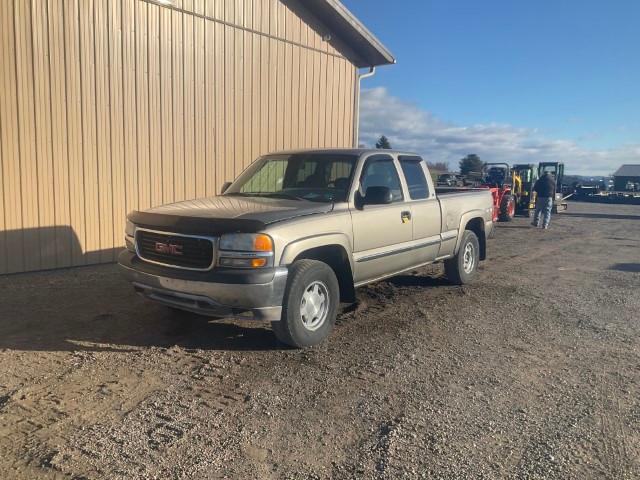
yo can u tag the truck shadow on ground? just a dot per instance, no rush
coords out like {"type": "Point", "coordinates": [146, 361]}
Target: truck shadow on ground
{"type": "Point", "coordinates": [114, 332]}
{"type": "Point", "coordinates": [506, 225]}
{"type": "Point", "coordinates": [604, 216]}
{"type": "Point", "coordinates": [417, 281]}
{"type": "Point", "coordinates": [92, 309]}
{"type": "Point", "coordinates": [626, 267]}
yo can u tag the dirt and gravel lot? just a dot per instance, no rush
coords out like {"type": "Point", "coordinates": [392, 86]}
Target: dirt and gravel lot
{"type": "Point", "coordinates": [532, 373]}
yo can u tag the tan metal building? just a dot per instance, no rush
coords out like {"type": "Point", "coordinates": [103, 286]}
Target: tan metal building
{"type": "Point", "coordinates": [112, 105]}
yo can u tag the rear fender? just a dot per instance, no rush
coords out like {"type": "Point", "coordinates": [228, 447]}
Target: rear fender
{"type": "Point", "coordinates": [476, 220]}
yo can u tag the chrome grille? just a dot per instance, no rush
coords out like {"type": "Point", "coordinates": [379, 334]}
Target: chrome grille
{"type": "Point", "coordinates": [175, 250]}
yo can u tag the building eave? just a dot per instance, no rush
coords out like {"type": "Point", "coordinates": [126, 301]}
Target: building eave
{"type": "Point", "coordinates": [369, 51]}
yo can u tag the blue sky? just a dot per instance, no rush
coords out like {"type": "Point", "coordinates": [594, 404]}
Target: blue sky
{"type": "Point", "coordinates": [562, 75]}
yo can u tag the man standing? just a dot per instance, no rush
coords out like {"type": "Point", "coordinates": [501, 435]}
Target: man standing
{"type": "Point", "coordinates": [545, 188]}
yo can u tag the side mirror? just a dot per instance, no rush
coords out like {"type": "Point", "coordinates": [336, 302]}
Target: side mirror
{"type": "Point", "coordinates": [377, 196]}
{"type": "Point", "coordinates": [225, 186]}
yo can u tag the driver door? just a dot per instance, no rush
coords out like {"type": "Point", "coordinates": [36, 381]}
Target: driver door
{"type": "Point", "coordinates": [381, 233]}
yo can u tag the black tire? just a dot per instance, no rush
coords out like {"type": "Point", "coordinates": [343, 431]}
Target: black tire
{"type": "Point", "coordinates": [293, 329]}
{"type": "Point", "coordinates": [455, 267]}
{"type": "Point", "coordinates": [507, 208]}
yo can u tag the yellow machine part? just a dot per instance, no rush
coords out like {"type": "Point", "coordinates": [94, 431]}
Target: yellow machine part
{"type": "Point", "coordinates": [516, 184]}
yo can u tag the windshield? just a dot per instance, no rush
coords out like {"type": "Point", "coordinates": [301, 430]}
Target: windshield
{"type": "Point", "coordinates": [525, 175]}
{"type": "Point", "coordinates": [319, 177]}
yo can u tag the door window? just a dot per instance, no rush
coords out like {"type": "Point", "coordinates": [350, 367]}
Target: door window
{"type": "Point", "coordinates": [381, 172]}
{"type": "Point", "coordinates": [414, 175]}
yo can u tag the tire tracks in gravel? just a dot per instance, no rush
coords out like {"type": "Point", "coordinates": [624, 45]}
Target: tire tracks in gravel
{"type": "Point", "coordinates": [173, 422]}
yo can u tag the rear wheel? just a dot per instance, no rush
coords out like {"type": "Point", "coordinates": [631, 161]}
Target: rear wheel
{"type": "Point", "coordinates": [463, 268]}
{"type": "Point", "coordinates": [310, 304]}
{"type": "Point", "coordinates": [507, 208]}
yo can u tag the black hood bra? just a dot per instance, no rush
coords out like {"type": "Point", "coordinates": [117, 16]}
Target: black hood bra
{"type": "Point", "coordinates": [224, 214]}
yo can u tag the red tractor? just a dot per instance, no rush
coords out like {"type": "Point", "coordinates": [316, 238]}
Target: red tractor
{"type": "Point", "coordinates": [505, 187]}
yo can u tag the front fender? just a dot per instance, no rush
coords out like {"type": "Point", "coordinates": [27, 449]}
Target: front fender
{"type": "Point", "coordinates": [295, 248]}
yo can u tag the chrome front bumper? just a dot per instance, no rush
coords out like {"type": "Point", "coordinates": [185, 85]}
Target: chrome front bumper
{"type": "Point", "coordinates": [261, 301]}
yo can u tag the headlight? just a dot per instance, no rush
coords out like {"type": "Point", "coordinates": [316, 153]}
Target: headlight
{"type": "Point", "coordinates": [130, 229]}
{"type": "Point", "coordinates": [246, 242]}
{"type": "Point", "coordinates": [129, 240]}
{"type": "Point", "coordinates": [245, 250]}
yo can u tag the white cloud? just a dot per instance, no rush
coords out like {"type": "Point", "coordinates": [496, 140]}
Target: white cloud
{"type": "Point", "coordinates": [411, 128]}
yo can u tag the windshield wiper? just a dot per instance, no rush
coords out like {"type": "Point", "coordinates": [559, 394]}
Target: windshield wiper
{"type": "Point", "coordinates": [281, 195]}
{"type": "Point", "coordinates": [266, 194]}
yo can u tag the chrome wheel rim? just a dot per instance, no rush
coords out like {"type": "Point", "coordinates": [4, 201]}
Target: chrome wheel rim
{"type": "Point", "coordinates": [469, 258]}
{"type": "Point", "coordinates": [314, 305]}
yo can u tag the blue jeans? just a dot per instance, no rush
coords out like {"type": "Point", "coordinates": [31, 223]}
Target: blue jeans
{"type": "Point", "coordinates": [543, 206]}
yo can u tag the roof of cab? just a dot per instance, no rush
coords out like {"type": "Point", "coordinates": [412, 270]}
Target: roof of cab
{"type": "Point", "coordinates": [343, 151]}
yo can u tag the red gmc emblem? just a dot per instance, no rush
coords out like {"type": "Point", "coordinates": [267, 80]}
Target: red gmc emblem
{"type": "Point", "coordinates": [168, 248]}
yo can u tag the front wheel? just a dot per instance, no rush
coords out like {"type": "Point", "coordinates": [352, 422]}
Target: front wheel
{"type": "Point", "coordinates": [463, 268]}
{"type": "Point", "coordinates": [310, 304]}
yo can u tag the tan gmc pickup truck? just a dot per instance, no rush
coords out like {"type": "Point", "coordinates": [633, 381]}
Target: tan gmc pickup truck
{"type": "Point", "coordinates": [298, 231]}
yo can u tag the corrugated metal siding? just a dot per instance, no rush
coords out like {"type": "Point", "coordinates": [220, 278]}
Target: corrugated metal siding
{"type": "Point", "coordinates": [110, 106]}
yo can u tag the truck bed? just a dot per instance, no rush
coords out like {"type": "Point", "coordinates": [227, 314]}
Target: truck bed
{"type": "Point", "coordinates": [455, 202]}
{"type": "Point", "coordinates": [451, 190]}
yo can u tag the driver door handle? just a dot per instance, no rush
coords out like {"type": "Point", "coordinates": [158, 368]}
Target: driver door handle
{"type": "Point", "coordinates": [405, 215]}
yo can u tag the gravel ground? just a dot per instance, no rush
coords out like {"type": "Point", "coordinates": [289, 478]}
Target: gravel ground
{"type": "Point", "coordinates": [532, 373]}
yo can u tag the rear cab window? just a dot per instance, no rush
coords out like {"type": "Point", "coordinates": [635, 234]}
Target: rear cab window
{"type": "Point", "coordinates": [414, 174]}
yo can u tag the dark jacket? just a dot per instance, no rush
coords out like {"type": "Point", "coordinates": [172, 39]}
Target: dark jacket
{"type": "Point", "coordinates": [545, 186]}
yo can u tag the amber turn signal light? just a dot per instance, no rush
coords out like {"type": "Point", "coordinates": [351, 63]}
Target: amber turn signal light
{"type": "Point", "coordinates": [262, 243]}
{"type": "Point", "coordinates": [258, 262]}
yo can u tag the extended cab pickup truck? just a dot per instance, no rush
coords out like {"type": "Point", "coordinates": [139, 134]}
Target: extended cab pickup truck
{"type": "Point", "coordinates": [298, 231]}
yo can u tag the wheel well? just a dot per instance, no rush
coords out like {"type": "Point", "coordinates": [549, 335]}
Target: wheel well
{"type": "Point", "coordinates": [476, 225]}
{"type": "Point", "coordinates": [336, 257]}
